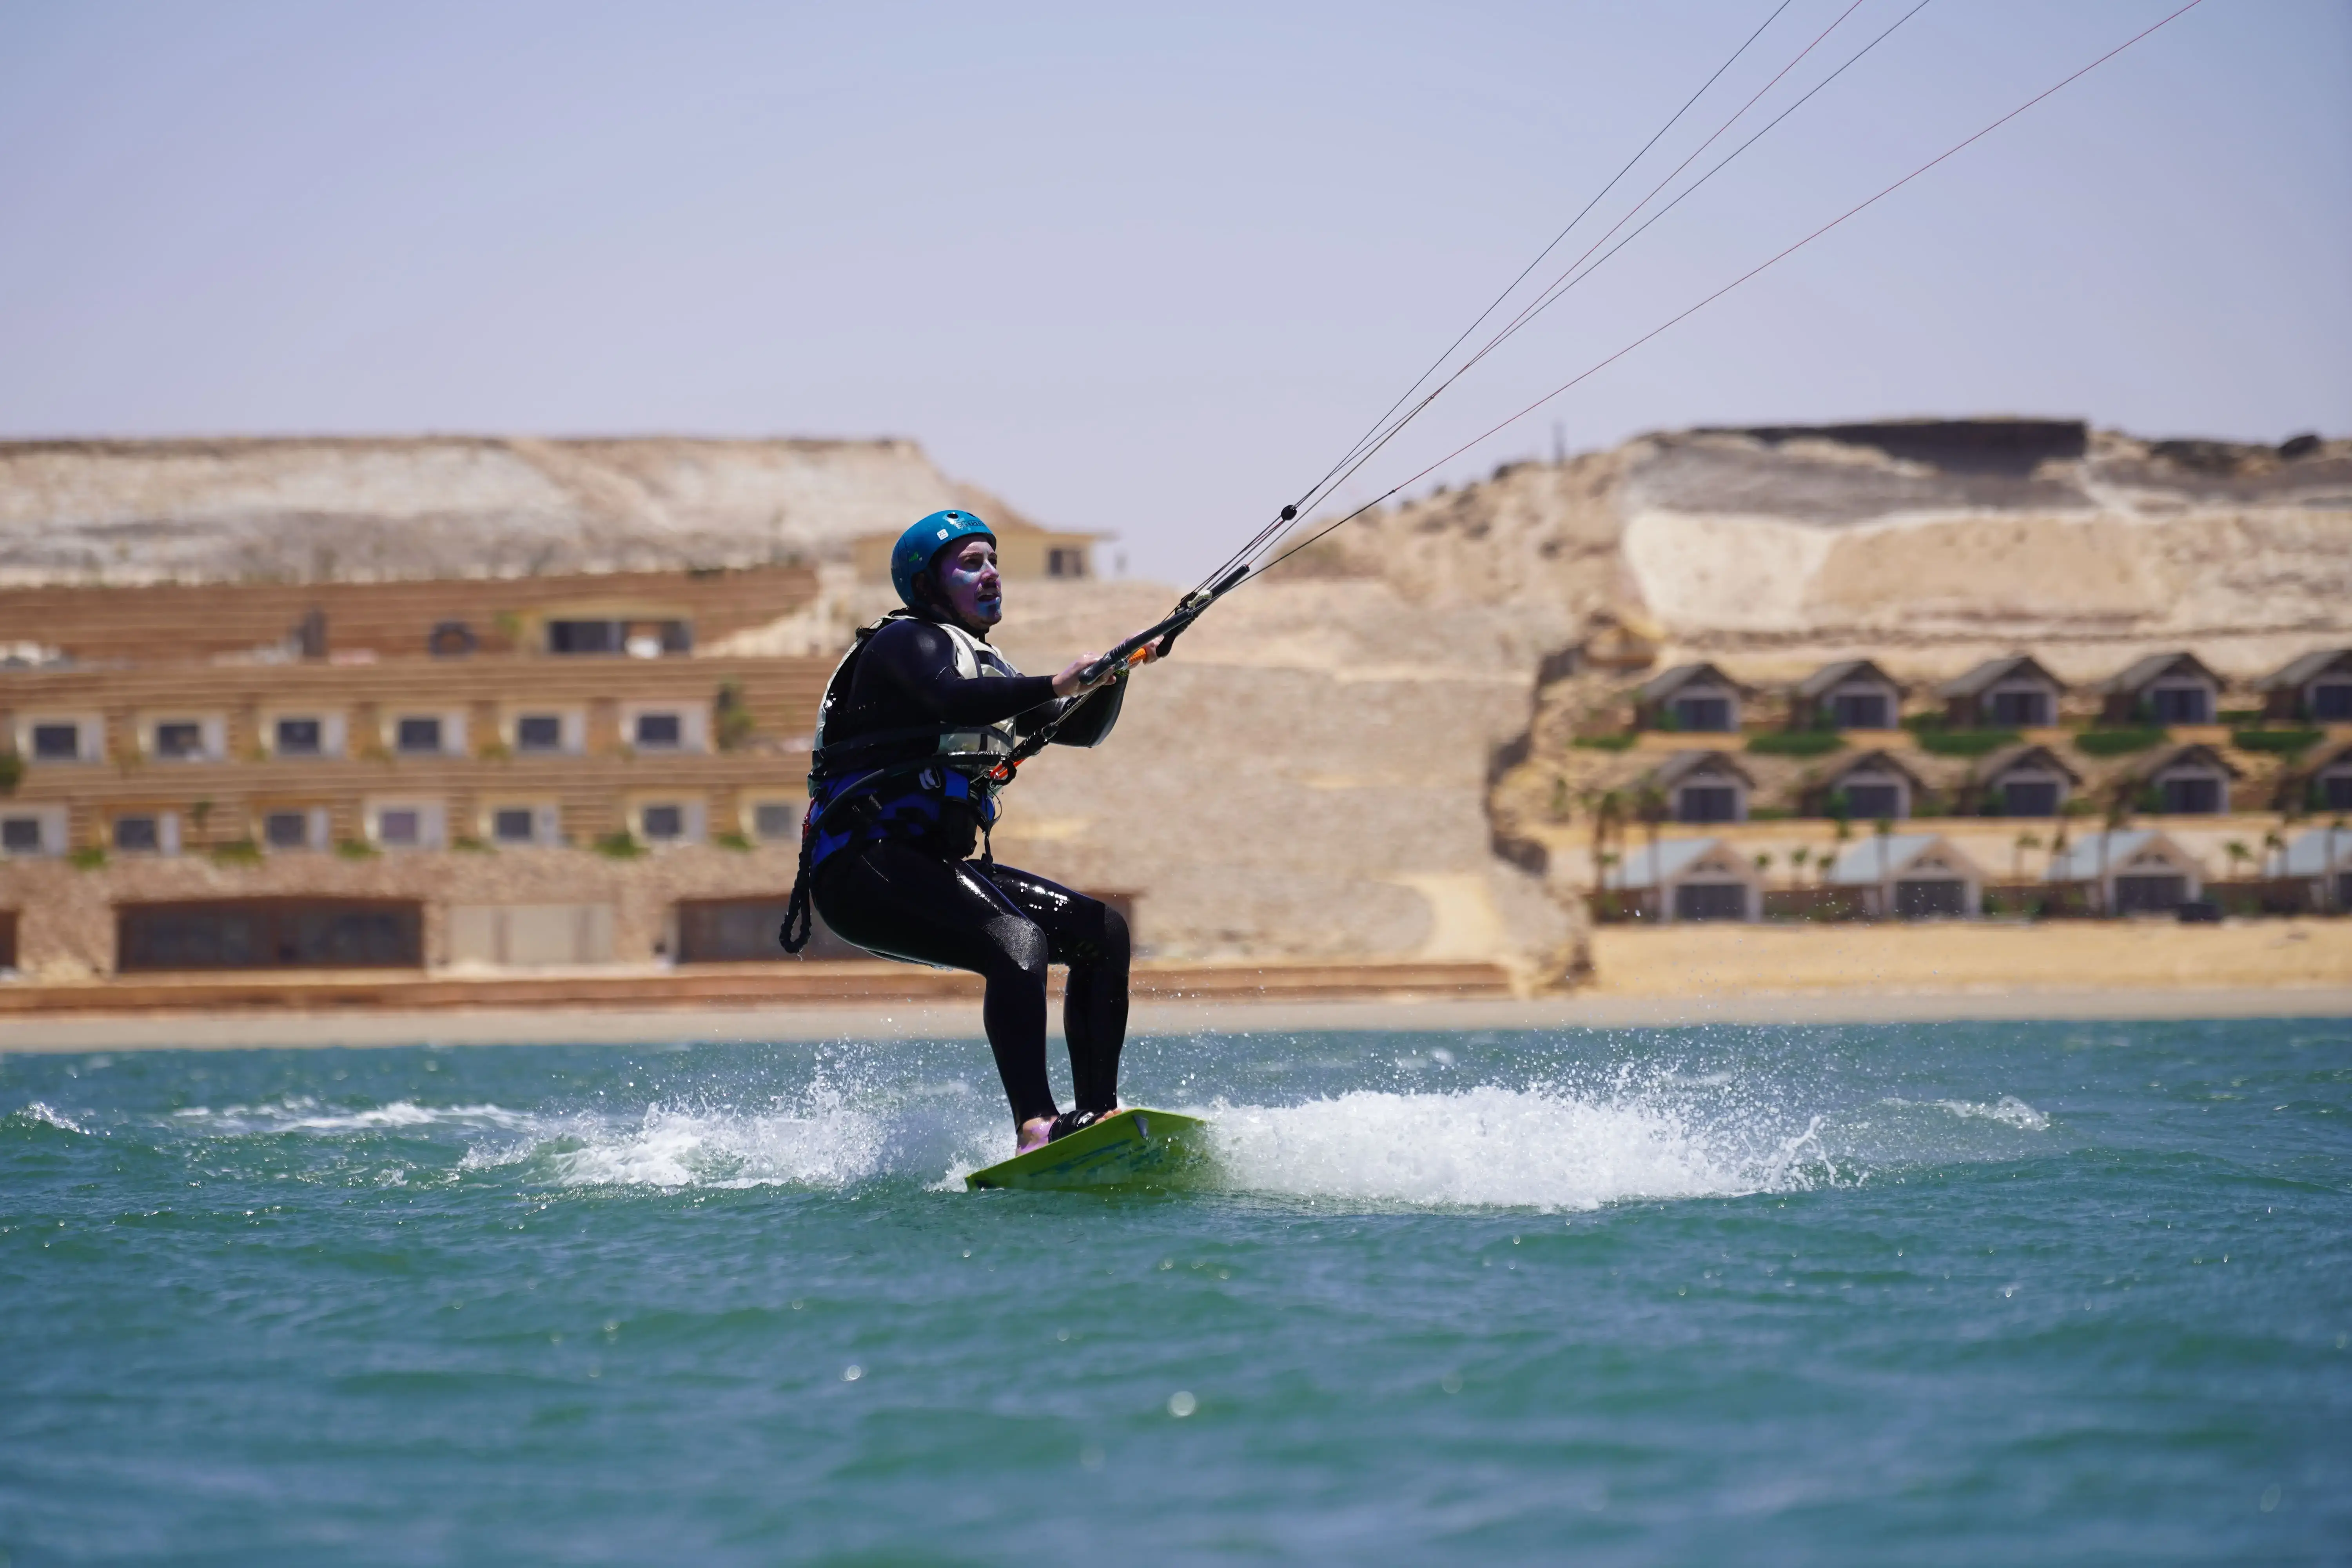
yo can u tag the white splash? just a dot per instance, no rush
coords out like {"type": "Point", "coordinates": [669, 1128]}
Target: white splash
{"type": "Point", "coordinates": [44, 1116]}
{"type": "Point", "coordinates": [1540, 1148]}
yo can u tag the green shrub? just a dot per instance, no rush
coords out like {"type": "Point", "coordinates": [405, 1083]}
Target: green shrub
{"type": "Point", "coordinates": [12, 771]}
{"type": "Point", "coordinates": [1796, 742]}
{"type": "Point", "coordinates": [357, 849]}
{"type": "Point", "coordinates": [735, 723]}
{"type": "Point", "coordinates": [467, 843]}
{"type": "Point", "coordinates": [734, 838]}
{"type": "Point", "coordinates": [1604, 743]}
{"type": "Point", "coordinates": [88, 858]}
{"type": "Point", "coordinates": [1964, 742]}
{"type": "Point", "coordinates": [2286, 742]}
{"type": "Point", "coordinates": [237, 852]}
{"type": "Point", "coordinates": [620, 845]}
{"type": "Point", "coordinates": [2120, 742]}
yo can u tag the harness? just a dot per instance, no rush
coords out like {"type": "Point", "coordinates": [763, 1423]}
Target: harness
{"type": "Point", "coordinates": [923, 781]}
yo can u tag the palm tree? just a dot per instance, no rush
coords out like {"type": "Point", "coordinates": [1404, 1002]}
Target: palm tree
{"type": "Point", "coordinates": [1797, 858]}
{"type": "Point", "coordinates": [2074, 806]}
{"type": "Point", "coordinates": [1650, 805]}
{"type": "Point", "coordinates": [1885, 830]}
{"type": "Point", "coordinates": [2275, 851]}
{"type": "Point", "coordinates": [2238, 853]}
{"type": "Point", "coordinates": [2024, 842]}
{"type": "Point", "coordinates": [2289, 812]}
{"type": "Point", "coordinates": [2113, 820]}
{"type": "Point", "coordinates": [1608, 810]}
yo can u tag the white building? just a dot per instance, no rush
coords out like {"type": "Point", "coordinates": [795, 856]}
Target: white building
{"type": "Point", "coordinates": [1688, 879]}
{"type": "Point", "coordinates": [2132, 871]}
{"type": "Point", "coordinates": [1921, 875]}
{"type": "Point", "coordinates": [2322, 856]}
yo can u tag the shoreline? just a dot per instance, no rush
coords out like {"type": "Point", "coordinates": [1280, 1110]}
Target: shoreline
{"type": "Point", "coordinates": [960, 1019]}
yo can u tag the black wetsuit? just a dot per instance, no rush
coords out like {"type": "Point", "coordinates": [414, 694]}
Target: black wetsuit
{"type": "Point", "coordinates": [920, 896]}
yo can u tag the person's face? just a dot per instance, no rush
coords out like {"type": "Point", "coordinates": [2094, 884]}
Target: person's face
{"type": "Point", "coordinates": [969, 582]}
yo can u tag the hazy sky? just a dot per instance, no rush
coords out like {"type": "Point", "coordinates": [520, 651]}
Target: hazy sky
{"type": "Point", "coordinates": [1149, 271]}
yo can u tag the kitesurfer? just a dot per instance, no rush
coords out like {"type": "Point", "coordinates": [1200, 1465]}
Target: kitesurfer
{"type": "Point", "coordinates": [914, 729]}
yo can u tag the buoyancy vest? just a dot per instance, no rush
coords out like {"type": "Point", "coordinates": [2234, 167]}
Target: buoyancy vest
{"type": "Point", "coordinates": [925, 782]}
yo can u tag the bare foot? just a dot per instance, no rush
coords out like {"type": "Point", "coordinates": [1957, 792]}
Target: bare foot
{"type": "Point", "coordinates": [1035, 1133]}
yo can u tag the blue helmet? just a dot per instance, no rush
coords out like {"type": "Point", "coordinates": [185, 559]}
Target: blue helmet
{"type": "Point", "coordinates": [920, 545]}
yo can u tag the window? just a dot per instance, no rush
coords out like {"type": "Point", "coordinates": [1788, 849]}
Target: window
{"type": "Point", "coordinates": [300, 738]}
{"type": "Point", "coordinates": [20, 834]}
{"type": "Point", "coordinates": [2028, 797]}
{"type": "Point", "coordinates": [512, 825]}
{"type": "Point", "coordinates": [286, 829]}
{"type": "Point", "coordinates": [1703, 713]}
{"type": "Point", "coordinates": [1707, 803]}
{"type": "Point", "coordinates": [1873, 802]}
{"type": "Point", "coordinates": [1859, 711]}
{"type": "Point", "coordinates": [138, 834]}
{"type": "Point", "coordinates": [774, 819]}
{"type": "Point", "coordinates": [2191, 796]}
{"type": "Point", "coordinates": [179, 737]}
{"type": "Point", "coordinates": [2335, 791]}
{"type": "Point", "coordinates": [450, 639]}
{"type": "Point", "coordinates": [2135, 895]}
{"type": "Point", "coordinates": [584, 636]}
{"type": "Point", "coordinates": [417, 735]}
{"type": "Point", "coordinates": [401, 826]}
{"type": "Point", "coordinates": [644, 639]}
{"type": "Point", "coordinates": [1710, 901]}
{"type": "Point", "coordinates": [2020, 709]}
{"type": "Point", "coordinates": [2182, 705]}
{"type": "Point", "coordinates": [663, 823]}
{"type": "Point", "coordinates": [1064, 562]}
{"type": "Point", "coordinates": [2332, 699]}
{"type": "Point", "coordinates": [56, 742]}
{"type": "Point", "coordinates": [539, 732]}
{"type": "Point", "coordinates": [660, 731]}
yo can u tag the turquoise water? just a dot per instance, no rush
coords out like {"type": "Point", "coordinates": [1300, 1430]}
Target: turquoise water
{"type": "Point", "coordinates": [1964, 1294]}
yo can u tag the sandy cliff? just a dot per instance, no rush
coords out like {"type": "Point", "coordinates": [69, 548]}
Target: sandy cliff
{"type": "Point", "coordinates": [1954, 535]}
{"type": "Point", "coordinates": [444, 506]}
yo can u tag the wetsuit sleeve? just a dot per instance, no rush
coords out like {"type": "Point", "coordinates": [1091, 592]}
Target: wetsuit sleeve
{"type": "Point", "coordinates": [1092, 716]}
{"type": "Point", "coordinates": [915, 662]}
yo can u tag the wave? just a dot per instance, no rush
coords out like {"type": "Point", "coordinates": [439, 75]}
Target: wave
{"type": "Point", "coordinates": [37, 1114]}
{"type": "Point", "coordinates": [2009, 1111]}
{"type": "Point", "coordinates": [305, 1115]}
{"type": "Point", "coordinates": [673, 1146]}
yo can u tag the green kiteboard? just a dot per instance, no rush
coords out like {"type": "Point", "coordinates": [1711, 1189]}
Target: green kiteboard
{"type": "Point", "coordinates": [1135, 1148]}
